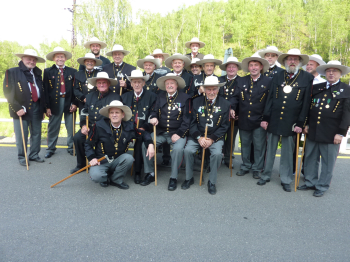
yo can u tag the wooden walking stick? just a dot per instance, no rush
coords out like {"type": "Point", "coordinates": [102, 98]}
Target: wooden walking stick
{"type": "Point", "coordinates": [301, 161]}
{"type": "Point", "coordinates": [155, 154]}
{"type": "Point", "coordinates": [24, 142]}
{"type": "Point", "coordinates": [203, 155]}
{"type": "Point", "coordinates": [74, 132]}
{"type": "Point", "coordinates": [296, 162]}
{"type": "Point", "coordinates": [99, 160]}
{"type": "Point", "coordinates": [232, 128]}
{"type": "Point", "coordinates": [121, 89]}
{"type": "Point", "coordinates": [132, 167]}
{"type": "Point", "coordinates": [87, 125]}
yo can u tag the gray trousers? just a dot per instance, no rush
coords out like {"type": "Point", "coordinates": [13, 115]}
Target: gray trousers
{"type": "Point", "coordinates": [54, 128]}
{"type": "Point", "coordinates": [119, 167]}
{"type": "Point", "coordinates": [328, 153]}
{"type": "Point", "coordinates": [215, 158]}
{"type": "Point", "coordinates": [258, 138]}
{"type": "Point", "coordinates": [227, 144]}
{"type": "Point", "coordinates": [286, 161]}
{"type": "Point", "coordinates": [34, 127]}
{"type": "Point", "coordinates": [176, 154]}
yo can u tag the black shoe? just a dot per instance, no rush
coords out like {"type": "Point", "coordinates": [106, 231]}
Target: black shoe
{"type": "Point", "coordinates": [70, 152]}
{"type": "Point", "coordinates": [172, 184]}
{"type": "Point", "coordinates": [37, 159]}
{"type": "Point", "coordinates": [286, 187]}
{"type": "Point", "coordinates": [262, 182]}
{"type": "Point", "coordinates": [49, 154]}
{"type": "Point", "coordinates": [318, 193]}
{"type": "Point", "coordinates": [22, 162]}
{"type": "Point", "coordinates": [228, 164]}
{"type": "Point", "coordinates": [242, 172]}
{"type": "Point", "coordinates": [305, 187]}
{"type": "Point", "coordinates": [104, 184]}
{"type": "Point", "coordinates": [165, 163]}
{"type": "Point", "coordinates": [121, 186]}
{"type": "Point", "coordinates": [256, 175]}
{"type": "Point", "coordinates": [75, 169]}
{"type": "Point", "coordinates": [148, 180]}
{"type": "Point", "coordinates": [211, 188]}
{"type": "Point", "coordinates": [187, 183]}
{"type": "Point", "coordinates": [137, 178]}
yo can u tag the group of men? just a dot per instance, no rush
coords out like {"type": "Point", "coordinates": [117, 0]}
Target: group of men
{"type": "Point", "coordinates": [187, 109]}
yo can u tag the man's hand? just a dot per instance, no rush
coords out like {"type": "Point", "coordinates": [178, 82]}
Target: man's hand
{"type": "Point", "coordinates": [174, 138]}
{"type": "Point", "coordinates": [337, 139]}
{"type": "Point", "coordinates": [21, 112]}
{"type": "Point", "coordinates": [298, 130]}
{"type": "Point", "coordinates": [232, 113]}
{"type": "Point", "coordinates": [264, 124]}
{"type": "Point", "coordinates": [85, 130]}
{"type": "Point", "coordinates": [94, 162]}
{"type": "Point", "coordinates": [48, 112]}
{"type": "Point", "coordinates": [306, 130]}
{"type": "Point", "coordinates": [208, 142]}
{"type": "Point", "coordinates": [84, 100]}
{"type": "Point", "coordinates": [142, 129]}
{"type": "Point", "coordinates": [201, 90]}
{"type": "Point", "coordinates": [202, 142]}
{"type": "Point", "coordinates": [122, 83]}
{"type": "Point", "coordinates": [153, 121]}
{"type": "Point", "coordinates": [150, 151]}
{"type": "Point", "coordinates": [73, 108]}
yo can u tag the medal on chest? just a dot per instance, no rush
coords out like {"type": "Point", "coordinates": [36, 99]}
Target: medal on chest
{"type": "Point", "coordinates": [287, 89]}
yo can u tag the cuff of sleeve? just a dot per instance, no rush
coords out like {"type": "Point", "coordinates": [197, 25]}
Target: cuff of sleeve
{"type": "Point", "coordinates": [180, 133]}
{"type": "Point", "coordinates": [196, 134]}
{"type": "Point", "coordinates": [213, 137]}
{"type": "Point", "coordinates": [266, 118]}
{"type": "Point", "coordinates": [91, 157]}
{"type": "Point", "coordinates": [300, 124]}
{"type": "Point", "coordinates": [342, 132]}
{"type": "Point", "coordinates": [148, 142]}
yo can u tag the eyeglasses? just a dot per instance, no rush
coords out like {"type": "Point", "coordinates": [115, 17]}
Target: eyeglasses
{"type": "Point", "coordinates": [296, 59]}
{"type": "Point", "coordinates": [270, 55]}
{"type": "Point", "coordinates": [332, 71]}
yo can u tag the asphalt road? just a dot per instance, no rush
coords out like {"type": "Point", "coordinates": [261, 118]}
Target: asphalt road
{"type": "Point", "coordinates": [80, 221]}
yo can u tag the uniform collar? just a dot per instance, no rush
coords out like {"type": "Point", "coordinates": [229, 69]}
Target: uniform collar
{"type": "Point", "coordinates": [172, 95]}
{"type": "Point", "coordinates": [60, 67]}
{"type": "Point", "coordinates": [139, 94]}
{"type": "Point", "coordinates": [328, 84]}
{"type": "Point", "coordinates": [231, 78]}
{"type": "Point", "coordinates": [119, 64]}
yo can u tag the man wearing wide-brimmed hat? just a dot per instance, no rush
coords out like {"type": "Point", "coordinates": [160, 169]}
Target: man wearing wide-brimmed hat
{"type": "Point", "coordinates": [23, 89]}
{"type": "Point", "coordinates": [94, 102]}
{"type": "Point", "coordinates": [158, 53]}
{"type": "Point", "coordinates": [110, 137]}
{"type": "Point", "coordinates": [81, 85]}
{"type": "Point", "coordinates": [250, 97]}
{"type": "Point", "coordinates": [315, 60]}
{"type": "Point", "coordinates": [172, 118]}
{"type": "Point", "coordinates": [226, 91]}
{"type": "Point", "coordinates": [60, 98]}
{"type": "Point", "coordinates": [119, 69]}
{"type": "Point", "coordinates": [95, 45]}
{"type": "Point", "coordinates": [194, 68]}
{"type": "Point", "coordinates": [141, 102]}
{"type": "Point", "coordinates": [328, 124]}
{"type": "Point", "coordinates": [149, 64]}
{"type": "Point", "coordinates": [213, 111]}
{"type": "Point", "coordinates": [208, 64]}
{"type": "Point", "coordinates": [286, 113]}
{"type": "Point", "coordinates": [194, 45]}
{"type": "Point", "coordinates": [271, 54]}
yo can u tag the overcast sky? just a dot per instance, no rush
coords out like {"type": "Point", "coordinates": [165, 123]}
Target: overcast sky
{"type": "Point", "coordinates": [33, 22]}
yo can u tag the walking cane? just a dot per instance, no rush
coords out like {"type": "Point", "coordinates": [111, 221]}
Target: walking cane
{"type": "Point", "coordinates": [24, 143]}
{"type": "Point", "coordinates": [155, 154]}
{"type": "Point", "coordinates": [203, 154]}
{"type": "Point", "coordinates": [132, 167]}
{"type": "Point", "coordinates": [121, 89]}
{"type": "Point", "coordinates": [232, 128]}
{"type": "Point", "coordinates": [296, 162]}
{"type": "Point", "coordinates": [99, 160]}
{"type": "Point", "coordinates": [74, 132]}
{"type": "Point", "coordinates": [301, 161]}
{"type": "Point", "coordinates": [87, 125]}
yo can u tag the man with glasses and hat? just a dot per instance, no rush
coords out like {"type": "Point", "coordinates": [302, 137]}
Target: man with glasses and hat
{"type": "Point", "coordinates": [211, 111]}
{"type": "Point", "coordinates": [95, 45]}
{"type": "Point", "coordinates": [285, 114]}
{"type": "Point", "coordinates": [250, 97]}
{"type": "Point", "coordinates": [328, 124]}
{"type": "Point", "coordinates": [110, 137]}
{"type": "Point", "coordinates": [172, 118]}
{"type": "Point", "coordinates": [194, 45]}
{"type": "Point", "coordinates": [141, 102]}
{"type": "Point", "coordinates": [162, 70]}
{"type": "Point", "coordinates": [315, 61]}
{"type": "Point", "coordinates": [23, 89]}
{"type": "Point", "coordinates": [60, 98]}
{"type": "Point", "coordinates": [149, 64]}
{"type": "Point", "coordinates": [94, 102]}
{"type": "Point", "coordinates": [118, 70]}
{"type": "Point", "coordinates": [271, 54]}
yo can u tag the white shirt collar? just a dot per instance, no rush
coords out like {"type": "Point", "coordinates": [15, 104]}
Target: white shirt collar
{"type": "Point", "coordinates": [172, 94]}
{"type": "Point", "coordinates": [60, 67]}
{"type": "Point", "coordinates": [257, 78]}
{"type": "Point", "coordinates": [119, 64]}
{"type": "Point", "coordinates": [178, 74]}
{"type": "Point", "coordinates": [117, 126]}
{"type": "Point", "coordinates": [232, 78]}
{"type": "Point", "coordinates": [213, 100]}
{"type": "Point", "coordinates": [139, 94]}
{"type": "Point", "coordinates": [328, 84]}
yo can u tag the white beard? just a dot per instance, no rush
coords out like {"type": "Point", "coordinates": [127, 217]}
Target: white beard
{"type": "Point", "coordinates": [289, 70]}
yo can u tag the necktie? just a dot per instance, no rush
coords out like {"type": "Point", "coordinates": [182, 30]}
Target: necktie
{"type": "Point", "coordinates": [63, 86]}
{"type": "Point", "coordinates": [210, 102]}
{"type": "Point", "coordinates": [137, 113]}
{"type": "Point", "coordinates": [170, 97]}
{"type": "Point", "coordinates": [34, 92]}
{"type": "Point", "coordinates": [290, 75]}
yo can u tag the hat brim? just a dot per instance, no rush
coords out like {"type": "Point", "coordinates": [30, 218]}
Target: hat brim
{"type": "Point", "coordinates": [165, 55]}
{"type": "Point", "coordinates": [38, 58]}
{"type": "Point", "coordinates": [305, 58]}
{"type": "Point", "coordinates": [110, 53]}
{"type": "Point", "coordinates": [188, 44]}
{"type": "Point", "coordinates": [266, 51]}
{"type": "Point", "coordinates": [155, 61]}
{"type": "Point", "coordinates": [127, 111]}
{"type": "Point", "coordinates": [89, 43]}
{"type": "Point", "coordinates": [170, 59]}
{"type": "Point", "coordinates": [161, 82]}
{"type": "Point", "coordinates": [146, 77]}
{"type": "Point", "coordinates": [51, 55]}
{"type": "Point", "coordinates": [219, 84]}
{"type": "Point", "coordinates": [203, 61]}
{"type": "Point", "coordinates": [93, 80]}
{"type": "Point", "coordinates": [322, 69]}
{"type": "Point", "coordinates": [223, 66]}
{"type": "Point", "coordinates": [81, 60]}
{"type": "Point", "coordinates": [263, 61]}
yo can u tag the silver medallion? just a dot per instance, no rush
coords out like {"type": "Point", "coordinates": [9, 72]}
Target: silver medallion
{"type": "Point", "coordinates": [287, 89]}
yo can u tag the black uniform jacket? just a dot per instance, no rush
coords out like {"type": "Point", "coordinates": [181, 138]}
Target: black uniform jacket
{"type": "Point", "coordinates": [227, 90]}
{"type": "Point", "coordinates": [17, 92]}
{"type": "Point", "coordinates": [329, 112]}
{"type": "Point", "coordinates": [198, 80]}
{"type": "Point", "coordinates": [173, 115]}
{"type": "Point", "coordinates": [119, 72]}
{"type": "Point", "coordinates": [151, 84]}
{"type": "Point", "coordinates": [250, 100]}
{"type": "Point", "coordinates": [188, 80]}
{"type": "Point", "coordinates": [201, 113]}
{"type": "Point", "coordinates": [105, 61]}
{"type": "Point", "coordinates": [94, 102]}
{"type": "Point", "coordinates": [271, 72]}
{"type": "Point", "coordinates": [52, 85]}
{"type": "Point", "coordinates": [102, 141]}
{"type": "Point", "coordinates": [81, 86]}
{"type": "Point", "coordinates": [284, 110]}
{"type": "Point", "coordinates": [199, 55]}
{"type": "Point", "coordinates": [143, 107]}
